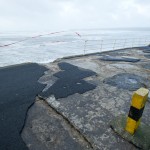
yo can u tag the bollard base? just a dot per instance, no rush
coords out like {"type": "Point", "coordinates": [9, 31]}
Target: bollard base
{"type": "Point", "coordinates": [140, 139]}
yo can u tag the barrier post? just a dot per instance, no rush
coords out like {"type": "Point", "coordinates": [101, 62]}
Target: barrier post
{"type": "Point", "coordinates": [101, 45]}
{"type": "Point", "coordinates": [114, 44]}
{"type": "Point", "coordinates": [85, 46]}
{"type": "Point", "coordinates": [129, 127]}
{"type": "Point", "coordinates": [139, 99]}
{"type": "Point", "coordinates": [124, 43]}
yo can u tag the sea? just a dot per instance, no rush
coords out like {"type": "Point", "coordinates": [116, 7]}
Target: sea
{"type": "Point", "coordinates": [18, 47]}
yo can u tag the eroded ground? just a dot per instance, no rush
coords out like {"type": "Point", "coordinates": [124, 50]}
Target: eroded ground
{"type": "Point", "coordinates": [67, 117]}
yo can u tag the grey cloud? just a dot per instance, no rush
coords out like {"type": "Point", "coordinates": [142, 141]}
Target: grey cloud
{"type": "Point", "coordinates": [68, 14]}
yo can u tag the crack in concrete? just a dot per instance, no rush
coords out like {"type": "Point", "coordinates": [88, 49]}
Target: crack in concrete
{"type": "Point", "coordinates": [24, 123]}
{"type": "Point", "coordinates": [67, 121]}
{"type": "Point", "coordinates": [19, 87]}
{"type": "Point", "coordinates": [120, 69]}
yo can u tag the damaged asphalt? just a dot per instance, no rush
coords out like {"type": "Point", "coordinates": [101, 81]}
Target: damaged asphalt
{"type": "Point", "coordinates": [18, 89]}
{"type": "Point", "coordinates": [70, 81]}
{"type": "Point", "coordinates": [69, 104]}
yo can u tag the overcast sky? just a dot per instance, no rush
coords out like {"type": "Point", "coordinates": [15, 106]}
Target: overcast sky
{"type": "Point", "coordinates": [73, 14]}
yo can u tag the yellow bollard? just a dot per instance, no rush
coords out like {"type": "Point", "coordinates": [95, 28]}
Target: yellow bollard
{"type": "Point", "coordinates": [139, 99]}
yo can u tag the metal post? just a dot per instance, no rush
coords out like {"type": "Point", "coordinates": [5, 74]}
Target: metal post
{"type": "Point", "coordinates": [85, 47]}
{"type": "Point", "coordinates": [101, 45]}
{"type": "Point", "coordinates": [133, 43]}
{"type": "Point", "coordinates": [124, 43]}
{"type": "Point", "coordinates": [139, 42]}
{"type": "Point", "coordinates": [145, 41]}
{"type": "Point", "coordinates": [114, 44]}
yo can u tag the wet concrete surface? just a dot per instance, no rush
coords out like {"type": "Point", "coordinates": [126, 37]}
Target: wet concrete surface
{"type": "Point", "coordinates": [50, 130]}
{"type": "Point", "coordinates": [18, 88]}
{"type": "Point", "coordinates": [91, 112]}
{"type": "Point", "coordinates": [81, 120]}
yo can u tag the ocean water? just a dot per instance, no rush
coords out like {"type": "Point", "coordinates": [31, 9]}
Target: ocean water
{"type": "Point", "coordinates": [42, 47]}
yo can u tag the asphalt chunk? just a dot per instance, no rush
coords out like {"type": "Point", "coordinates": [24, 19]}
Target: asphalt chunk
{"type": "Point", "coordinates": [18, 89]}
{"type": "Point", "coordinates": [70, 81]}
{"type": "Point", "coordinates": [144, 48]}
{"type": "Point", "coordinates": [146, 66]}
{"type": "Point", "coordinates": [146, 51]}
{"type": "Point", "coordinates": [147, 56]}
{"type": "Point", "coordinates": [119, 58]}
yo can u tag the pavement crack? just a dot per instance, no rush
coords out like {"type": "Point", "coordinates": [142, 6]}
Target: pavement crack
{"type": "Point", "coordinates": [67, 121]}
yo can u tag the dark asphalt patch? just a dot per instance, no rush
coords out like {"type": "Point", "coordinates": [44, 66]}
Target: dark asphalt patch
{"type": "Point", "coordinates": [146, 51]}
{"type": "Point", "coordinates": [147, 56]}
{"type": "Point", "coordinates": [144, 48]}
{"type": "Point", "coordinates": [127, 81]}
{"type": "Point", "coordinates": [146, 66]}
{"type": "Point", "coordinates": [18, 89]}
{"type": "Point", "coordinates": [114, 58]}
{"type": "Point", "coordinates": [70, 81]}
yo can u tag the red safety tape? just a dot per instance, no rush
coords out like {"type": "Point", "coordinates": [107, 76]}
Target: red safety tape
{"type": "Point", "coordinates": [36, 37]}
{"type": "Point", "coordinates": [78, 34]}
{"type": "Point", "coordinates": [30, 38]}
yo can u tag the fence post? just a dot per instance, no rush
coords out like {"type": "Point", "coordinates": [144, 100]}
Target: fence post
{"type": "Point", "coordinates": [132, 43]}
{"type": "Point", "coordinates": [124, 43]}
{"type": "Point", "coordinates": [139, 42]}
{"type": "Point", "coordinates": [101, 45]}
{"type": "Point", "coordinates": [145, 41]}
{"type": "Point", "coordinates": [114, 44]}
{"type": "Point", "coordinates": [85, 46]}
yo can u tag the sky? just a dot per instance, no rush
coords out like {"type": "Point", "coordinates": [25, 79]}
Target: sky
{"type": "Point", "coordinates": [28, 15]}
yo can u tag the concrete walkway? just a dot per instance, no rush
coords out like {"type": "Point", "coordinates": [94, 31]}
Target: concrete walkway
{"type": "Point", "coordinates": [79, 98]}
{"type": "Point", "coordinates": [85, 117]}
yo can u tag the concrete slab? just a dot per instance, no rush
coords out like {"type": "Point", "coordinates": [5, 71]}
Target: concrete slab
{"type": "Point", "coordinates": [46, 129]}
{"type": "Point", "coordinates": [140, 139]}
{"type": "Point", "coordinates": [89, 113]}
{"type": "Point", "coordinates": [79, 119]}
